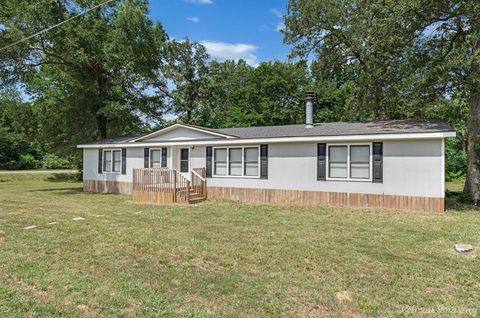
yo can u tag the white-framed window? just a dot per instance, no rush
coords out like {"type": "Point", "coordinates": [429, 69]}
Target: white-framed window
{"type": "Point", "coordinates": [220, 161]}
{"type": "Point", "coordinates": [251, 160]}
{"type": "Point", "coordinates": [236, 161]}
{"type": "Point", "coordinates": [155, 158]}
{"type": "Point", "coordinates": [349, 162]}
{"type": "Point", "coordinates": [112, 160]}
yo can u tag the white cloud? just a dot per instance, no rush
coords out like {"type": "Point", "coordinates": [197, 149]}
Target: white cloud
{"type": "Point", "coordinates": [276, 12]}
{"type": "Point", "coordinates": [280, 25]}
{"type": "Point", "coordinates": [194, 19]}
{"type": "Point", "coordinates": [199, 1]}
{"type": "Point", "coordinates": [229, 51]}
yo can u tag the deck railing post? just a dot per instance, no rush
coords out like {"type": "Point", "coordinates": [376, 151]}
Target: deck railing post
{"type": "Point", "coordinates": [188, 191]}
{"type": "Point", "coordinates": [174, 186]}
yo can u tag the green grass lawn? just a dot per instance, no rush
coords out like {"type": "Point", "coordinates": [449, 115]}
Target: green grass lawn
{"type": "Point", "coordinates": [221, 259]}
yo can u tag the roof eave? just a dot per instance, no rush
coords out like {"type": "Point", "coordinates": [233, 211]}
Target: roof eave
{"type": "Point", "coordinates": [175, 126]}
{"type": "Point", "coordinates": [236, 141]}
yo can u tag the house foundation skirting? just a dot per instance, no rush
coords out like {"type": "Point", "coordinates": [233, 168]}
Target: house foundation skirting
{"type": "Point", "coordinates": [102, 186]}
{"type": "Point", "coordinates": [327, 198]}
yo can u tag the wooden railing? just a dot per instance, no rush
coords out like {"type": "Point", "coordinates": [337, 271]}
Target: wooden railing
{"type": "Point", "coordinates": [161, 180]}
{"type": "Point", "coordinates": [199, 182]}
{"type": "Point", "coordinates": [154, 180]}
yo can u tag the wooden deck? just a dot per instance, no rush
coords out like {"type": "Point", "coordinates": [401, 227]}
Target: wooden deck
{"type": "Point", "coordinates": [168, 186]}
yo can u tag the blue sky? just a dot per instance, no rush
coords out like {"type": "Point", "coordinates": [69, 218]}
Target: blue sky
{"type": "Point", "coordinates": [229, 29]}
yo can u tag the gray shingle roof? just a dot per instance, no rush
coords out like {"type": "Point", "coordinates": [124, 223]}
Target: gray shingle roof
{"type": "Point", "coordinates": [340, 129]}
{"type": "Point", "coordinates": [115, 140]}
{"type": "Point", "coordinates": [321, 129]}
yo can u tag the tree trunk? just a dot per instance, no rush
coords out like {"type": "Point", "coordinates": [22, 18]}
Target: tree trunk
{"type": "Point", "coordinates": [472, 183]}
{"type": "Point", "coordinates": [101, 126]}
{"type": "Point", "coordinates": [102, 92]}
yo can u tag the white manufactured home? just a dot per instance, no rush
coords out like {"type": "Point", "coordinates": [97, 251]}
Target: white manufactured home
{"type": "Point", "coordinates": [386, 164]}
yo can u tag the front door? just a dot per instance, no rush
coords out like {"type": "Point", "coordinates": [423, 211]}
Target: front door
{"type": "Point", "coordinates": [185, 162]}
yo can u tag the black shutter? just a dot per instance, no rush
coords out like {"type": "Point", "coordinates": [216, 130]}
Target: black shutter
{"type": "Point", "coordinates": [164, 157]}
{"type": "Point", "coordinates": [321, 162]}
{"type": "Point", "coordinates": [146, 156]}
{"type": "Point", "coordinates": [208, 168]}
{"type": "Point", "coordinates": [377, 162]}
{"type": "Point", "coordinates": [100, 161]}
{"type": "Point", "coordinates": [263, 161]}
{"type": "Point", "coordinates": [124, 160]}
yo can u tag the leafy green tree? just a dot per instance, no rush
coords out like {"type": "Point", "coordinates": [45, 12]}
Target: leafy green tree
{"type": "Point", "coordinates": [89, 78]}
{"type": "Point", "coordinates": [404, 57]}
{"type": "Point", "coordinates": [18, 116]}
{"type": "Point", "coordinates": [223, 83]}
{"type": "Point", "coordinates": [273, 94]}
{"type": "Point", "coordinates": [186, 68]}
{"type": "Point", "coordinates": [270, 94]}
{"type": "Point", "coordinates": [16, 151]}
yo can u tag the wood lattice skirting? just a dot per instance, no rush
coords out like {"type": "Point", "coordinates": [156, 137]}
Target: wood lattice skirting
{"type": "Point", "coordinates": [327, 198]}
{"type": "Point", "coordinates": [102, 186]}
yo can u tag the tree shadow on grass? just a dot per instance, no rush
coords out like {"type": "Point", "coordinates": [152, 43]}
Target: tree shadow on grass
{"type": "Point", "coordinates": [62, 191]}
{"type": "Point", "coordinates": [459, 202]}
{"type": "Point", "coordinates": [63, 177]}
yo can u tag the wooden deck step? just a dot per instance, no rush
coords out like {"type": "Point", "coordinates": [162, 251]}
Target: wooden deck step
{"type": "Point", "coordinates": [196, 199]}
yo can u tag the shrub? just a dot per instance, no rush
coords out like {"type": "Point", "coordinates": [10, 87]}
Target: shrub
{"type": "Point", "coordinates": [465, 198]}
{"type": "Point", "coordinates": [53, 162]}
{"type": "Point", "coordinates": [455, 162]}
{"type": "Point", "coordinates": [11, 147]}
{"type": "Point", "coordinates": [28, 161]}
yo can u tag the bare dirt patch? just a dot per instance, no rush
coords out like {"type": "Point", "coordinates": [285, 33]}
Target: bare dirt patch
{"type": "Point", "coordinates": [30, 288]}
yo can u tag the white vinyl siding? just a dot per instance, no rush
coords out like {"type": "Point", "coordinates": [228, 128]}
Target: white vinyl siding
{"type": "Point", "coordinates": [236, 161]}
{"type": "Point", "coordinates": [112, 160]}
{"type": "Point", "coordinates": [349, 162]}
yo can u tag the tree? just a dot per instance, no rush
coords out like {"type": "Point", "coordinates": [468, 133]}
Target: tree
{"type": "Point", "coordinates": [91, 77]}
{"type": "Point", "coordinates": [17, 116]}
{"type": "Point", "coordinates": [223, 84]}
{"type": "Point", "coordinates": [186, 66]}
{"type": "Point", "coordinates": [270, 94]}
{"type": "Point", "coordinates": [404, 57]}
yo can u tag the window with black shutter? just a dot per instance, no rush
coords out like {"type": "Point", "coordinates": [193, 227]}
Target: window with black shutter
{"type": "Point", "coordinates": [124, 161]}
{"type": "Point", "coordinates": [164, 157]}
{"type": "Point", "coordinates": [146, 157]}
{"type": "Point", "coordinates": [100, 161]}
{"type": "Point", "coordinates": [321, 162]}
{"type": "Point", "coordinates": [263, 161]}
{"type": "Point", "coordinates": [208, 168]}
{"type": "Point", "coordinates": [377, 162]}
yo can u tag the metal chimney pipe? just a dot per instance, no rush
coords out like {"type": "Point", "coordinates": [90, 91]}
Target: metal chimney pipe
{"type": "Point", "coordinates": [309, 97]}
